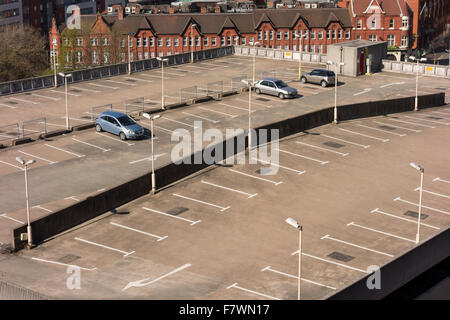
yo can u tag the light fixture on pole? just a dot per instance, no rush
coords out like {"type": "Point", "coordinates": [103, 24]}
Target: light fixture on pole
{"type": "Point", "coordinates": [192, 42]}
{"type": "Point", "coordinates": [25, 164]}
{"type": "Point", "coordinates": [419, 168]}
{"type": "Point", "coordinates": [296, 225]}
{"type": "Point", "coordinates": [65, 76]}
{"type": "Point", "coordinates": [152, 118]}
{"type": "Point", "coordinates": [416, 100]}
{"type": "Point", "coordinates": [336, 65]}
{"type": "Point", "coordinates": [254, 44]}
{"type": "Point", "coordinates": [162, 79]}
{"type": "Point", "coordinates": [301, 37]}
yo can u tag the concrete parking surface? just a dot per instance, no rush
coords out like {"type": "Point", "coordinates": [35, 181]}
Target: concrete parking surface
{"type": "Point", "coordinates": [221, 234]}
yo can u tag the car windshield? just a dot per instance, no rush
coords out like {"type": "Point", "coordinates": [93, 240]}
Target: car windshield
{"type": "Point", "coordinates": [126, 121]}
{"type": "Point", "coordinates": [280, 84]}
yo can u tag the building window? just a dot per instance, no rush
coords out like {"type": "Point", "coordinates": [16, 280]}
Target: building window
{"type": "Point", "coordinates": [391, 24]}
{"type": "Point", "coordinates": [94, 57]}
{"type": "Point", "coordinates": [145, 55]}
{"type": "Point", "coordinates": [152, 54]}
{"type": "Point", "coordinates": [145, 41]}
{"type": "Point", "coordinates": [213, 41]}
{"type": "Point", "coordinates": [266, 35]}
{"type": "Point", "coordinates": [373, 24]}
{"type": "Point", "coordinates": [391, 40]}
{"type": "Point", "coordinates": [320, 35]}
{"type": "Point", "coordinates": [160, 42]}
{"type": "Point", "coordinates": [151, 41]}
{"type": "Point", "coordinates": [305, 47]}
{"type": "Point", "coordinates": [79, 56]}
{"type": "Point", "coordinates": [228, 41]}
{"type": "Point", "coordinates": [328, 34]}
{"type": "Point", "coordinates": [106, 57]}
{"type": "Point", "coordinates": [184, 41]}
{"type": "Point", "coordinates": [79, 42]}
{"type": "Point", "coordinates": [222, 41]}
{"type": "Point", "coordinates": [139, 56]}
{"type": "Point", "coordinates": [130, 42]}
{"type": "Point", "coordinates": [372, 37]}
{"type": "Point", "coordinates": [313, 35]}
{"type": "Point", "coordinates": [190, 41]}
{"type": "Point", "coordinates": [320, 48]}
{"type": "Point", "coordinates": [405, 22]}
{"type": "Point", "coordinates": [305, 32]}
{"type": "Point", "coordinates": [243, 41]}
{"type": "Point", "coordinates": [251, 40]}
{"type": "Point", "coordinates": [286, 47]}
{"type": "Point", "coordinates": [259, 35]}
{"type": "Point", "coordinates": [205, 41]}
{"type": "Point", "coordinates": [168, 42]}
{"type": "Point", "coordinates": [94, 42]}
{"type": "Point", "coordinates": [122, 57]}
{"type": "Point", "coordinates": [313, 48]}
{"type": "Point", "coordinates": [271, 35]}
{"type": "Point", "coordinates": [278, 46]}
{"type": "Point", "coordinates": [358, 37]}
{"type": "Point", "coordinates": [347, 34]}
{"type": "Point", "coordinates": [278, 35]}
{"type": "Point", "coordinates": [359, 24]}
{"type": "Point", "coordinates": [340, 34]}
{"type": "Point", "coordinates": [176, 42]}
{"type": "Point", "coordinates": [235, 40]}
{"type": "Point", "coordinates": [286, 35]}
{"type": "Point", "coordinates": [138, 42]}
{"type": "Point", "coordinates": [197, 41]}
{"type": "Point", "coordinates": [404, 41]}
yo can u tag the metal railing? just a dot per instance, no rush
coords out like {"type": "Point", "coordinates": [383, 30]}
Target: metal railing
{"type": "Point", "coordinates": [9, 132]}
{"type": "Point", "coordinates": [34, 127]}
{"type": "Point", "coordinates": [96, 111]}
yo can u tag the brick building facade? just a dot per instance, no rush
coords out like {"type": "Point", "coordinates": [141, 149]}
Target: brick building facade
{"type": "Point", "coordinates": [102, 38]}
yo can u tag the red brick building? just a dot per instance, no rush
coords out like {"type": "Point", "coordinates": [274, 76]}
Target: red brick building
{"type": "Point", "coordinates": [102, 38]}
{"type": "Point", "coordinates": [381, 20]}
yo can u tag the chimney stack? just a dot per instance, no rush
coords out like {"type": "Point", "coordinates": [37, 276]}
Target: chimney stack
{"type": "Point", "coordinates": [120, 13]}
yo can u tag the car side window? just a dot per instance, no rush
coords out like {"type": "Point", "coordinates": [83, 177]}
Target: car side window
{"type": "Point", "coordinates": [105, 118]}
{"type": "Point", "coordinates": [264, 83]}
{"type": "Point", "coordinates": [114, 121]}
{"type": "Point", "coordinates": [272, 85]}
{"type": "Point", "coordinates": [315, 73]}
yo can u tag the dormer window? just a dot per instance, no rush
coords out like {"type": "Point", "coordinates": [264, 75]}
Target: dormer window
{"type": "Point", "coordinates": [405, 23]}
{"type": "Point", "coordinates": [359, 24]}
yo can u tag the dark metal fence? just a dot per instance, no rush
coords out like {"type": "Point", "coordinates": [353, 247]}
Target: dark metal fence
{"type": "Point", "coordinates": [23, 85]}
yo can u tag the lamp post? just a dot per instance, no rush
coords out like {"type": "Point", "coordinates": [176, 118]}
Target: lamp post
{"type": "Point", "coordinates": [25, 164]}
{"type": "Point", "coordinates": [65, 76]}
{"type": "Point", "coordinates": [146, 115]}
{"type": "Point", "coordinates": [250, 86]}
{"type": "Point", "coordinates": [300, 49]}
{"type": "Point", "coordinates": [254, 44]}
{"type": "Point", "coordinates": [53, 55]}
{"type": "Point", "coordinates": [416, 100]}
{"type": "Point", "coordinates": [162, 79]}
{"type": "Point", "coordinates": [129, 54]}
{"type": "Point", "coordinates": [296, 225]}
{"type": "Point", "coordinates": [422, 170]}
{"type": "Point", "coordinates": [336, 65]}
{"type": "Point", "coordinates": [192, 42]}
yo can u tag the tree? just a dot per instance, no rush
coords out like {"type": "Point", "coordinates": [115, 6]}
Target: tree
{"type": "Point", "coordinates": [23, 53]}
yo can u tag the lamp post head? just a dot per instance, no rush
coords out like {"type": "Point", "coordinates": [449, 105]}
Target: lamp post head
{"type": "Point", "coordinates": [294, 223]}
{"type": "Point", "coordinates": [25, 163]}
{"type": "Point", "coordinates": [156, 117]}
{"type": "Point", "coordinates": [162, 59]}
{"type": "Point", "coordinates": [20, 160]}
{"type": "Point", "coordinates": [146, 115]}
{"type": "Point", "coordinates": [417, 166]}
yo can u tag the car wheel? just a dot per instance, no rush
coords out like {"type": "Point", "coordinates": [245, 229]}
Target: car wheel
{"type": "Point", "coordinates": [257, 91]}
{"type": "Point", "coordinates": [281, 96]}
{"type": "Point", "coordinates": [304, 80]}
{"type": "Point", "coordinates": [323, 84]}
{"type": "Point", "coordinates": [122, 136]}
{"type": "Point", "coordinates": [98, 128]}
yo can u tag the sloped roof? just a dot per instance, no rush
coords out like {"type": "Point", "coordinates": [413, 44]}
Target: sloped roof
{"type": "Point", "coordinates": [390, 7]}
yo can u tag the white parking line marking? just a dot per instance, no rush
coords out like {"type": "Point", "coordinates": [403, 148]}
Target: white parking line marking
{"type": "Point", "coordinates": [125, 254]}
{"type": "Point", "coordinates": [433, 193]}
{"type": "Point", "coordinates": [42, 208]}
{"type": "Point", "coordinates": [234, 285]}
{"type": "Point", "coordinates": [394, 126]}
{"type": "Point", "coordinates": [68, 93]}
{"type": "Point", "coordinates": [364, 135]}
{"type": "Point", "coordinates": [362, 92]}
{"type": "Point", "coordinates": [173, 216]}
{"type": "Point", "coordinates": [137, 79]}
{"type": "Point", "coordinates": [202, 68]}
{"type": "Point", "coordinates": [214, 65]}
{"type": "Point", "coordinates": [139, 231]}
{"type": "Point", "coordinates": [72, 198]}
{"type": "Point", "coordinates": [239, 108]}
{"type": "Point", "coordinates": [63, 264]}
{"type": "Point", "coordinates": [34, 156]}
{"type": "Point", "coordinates": [186, 124]}
{"type": "Point", "coordinates": [329, 261]}
{"type": "Point", "coordinates": [378, 231]}
{"type": "Point", "coordinates": [155, 157]}
{"type": "Point", "coordinates": [102, 86]}
{"type": "Point", "coordinates": [444, 113]}
{"type": "Point", "coordinates": [83, 89]}
{"type": "Point", "coordinates": [10, 218]}
{"type": "Point", "coordinates": [41, 96]}
{"type": "Point", "coordinates": [92, 145]}
{"type": "Point", "coordinates": [279, 166]}
{"type": "Point", "coordinates": [377, 210]}
{"type": "Point", "coordinates": [154, 76]}
{"type": "Point", "coordinates": [413, 123]}
{"type": "Point", "coordinates": [416, 204]}
{"type": "Point", "coordinates": [121, 82]}
{"type": "Point", "coordinates": [422, 119]}
{"type": "Point", "coordinates": [171, 73]}
{"type": "Point", "coordinates": [441, 180]}
{"type": "Point", "coordinates": [185, 72]}
{"type": "Point", "coordinates": [301, 156]}
{"type": "Point", "coordinates": [253, 102]}
{"type": "Point", "coordinates": [203, 202]}
{"type": "Point", "coordinates": [12, 165]}
{"type": "Point", "coordinates": [74, 154]}
{"type": "Point", "coordinates": [200, 117]}
{"type": "Point", "coordinates": [26, 101]}
{"type": "Point", "coordinates": [141, 283]}
{"type": "Point", "coordinates": [355, 245]}
{"type": "Point", "coordinates": [269, 268]}
{"type": "Point", "coordinates": [163, 129]}
{"type": "Point", "coordinates": [255, 177]}
{"type": "Point", "coordinates": [321, 148]}
{"type": "Point", "coordinates": [391, 84]}
{"type": "Point", "coordinates": [249, 195]}
{"type": "Point", "coordinates": [385, 131]}
{"type": "Point", "coordinates": [117, 140]}
{"type": "Point", "coordinates": [5, 105]}
{"type": "Point", "coordinates": [346, 141]}
{"type": "Point", "coordinates": [222, 113]}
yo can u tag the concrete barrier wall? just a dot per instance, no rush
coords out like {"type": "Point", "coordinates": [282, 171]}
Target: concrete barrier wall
{"type": "Point", "coordinates": [411, 67]}
{"type": "Point", "coordinates": [400, 271]}
{"type": "Point", "coordinates": [54, 223]}
{"type": "Point", "coordinates": [281, 54]}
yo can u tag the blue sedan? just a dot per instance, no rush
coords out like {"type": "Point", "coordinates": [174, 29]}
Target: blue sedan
{"type": "Point", "coordinates": [119, 124]}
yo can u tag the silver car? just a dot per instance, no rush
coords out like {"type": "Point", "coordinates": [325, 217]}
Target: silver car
{"type": "Point", "coordinates": [319, 76]}
{"type": "Point", "coordinates": [275, 87]}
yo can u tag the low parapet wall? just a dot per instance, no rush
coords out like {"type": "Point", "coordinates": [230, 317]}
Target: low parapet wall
{"type": "Point", "coordinates": [91, 207]}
